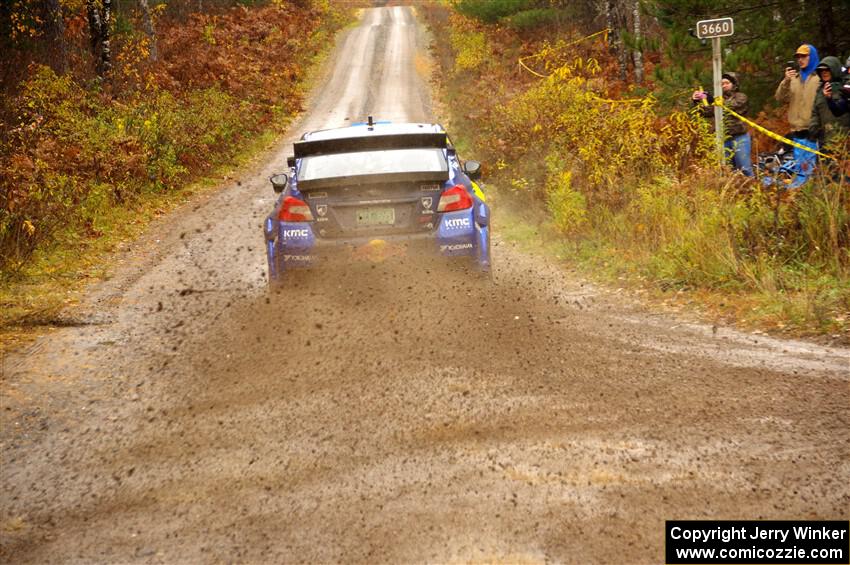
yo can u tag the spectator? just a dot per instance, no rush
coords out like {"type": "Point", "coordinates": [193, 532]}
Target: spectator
{"type": "Point", "coordinates": [840, 105]}
{"type": "Point", "coordinates": [824, 123]}
{"type": "Point", "coordinates": [738, 143]}
{"type": "Point", "coordinates": [798, 89]}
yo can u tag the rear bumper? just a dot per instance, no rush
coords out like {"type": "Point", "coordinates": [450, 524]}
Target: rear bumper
{"type": "Point", "coordinates": [298, 247]}
{"type": "Point", "coordinates": [375, 248]}
{"type": "Point", "coordinates": [422, 240]}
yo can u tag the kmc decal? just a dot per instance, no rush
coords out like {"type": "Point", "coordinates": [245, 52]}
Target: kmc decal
{"type": "Point", "coordinates": [458, 223]}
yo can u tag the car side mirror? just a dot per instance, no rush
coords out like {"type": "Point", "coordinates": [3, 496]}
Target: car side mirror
{"type": "Point", "coordinates": [290, 161]}
{"type": "Point", "coordinates": [472, 169]}
{"type": "Point", "coordinates": [279, 182]}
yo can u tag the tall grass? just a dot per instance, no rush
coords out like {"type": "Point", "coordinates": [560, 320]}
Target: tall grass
{"type": "Point", "coordinates": [638, 183]}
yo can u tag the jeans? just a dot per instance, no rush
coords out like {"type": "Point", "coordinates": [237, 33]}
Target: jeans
{"type": "Point", "coordinates": [805, 161]}
{"type": "Point", "coordinates": [738, 153]}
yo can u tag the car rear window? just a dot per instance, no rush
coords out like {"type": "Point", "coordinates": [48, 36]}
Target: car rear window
{"type": "Point", "coordinates": [371, 163]}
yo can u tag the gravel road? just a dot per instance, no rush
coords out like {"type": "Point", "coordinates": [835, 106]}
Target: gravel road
{"type": "Point", "coordinates": [395, 411]}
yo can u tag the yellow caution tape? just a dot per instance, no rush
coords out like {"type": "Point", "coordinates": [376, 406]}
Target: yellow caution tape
{"type": "Point", "coordinates": [529, 69]}
{"type": "Point", "coordinates": [719, 102]}
{"type": "Point", "coordinates": [595, 97]}
{"type": "Point", "coordinates": [535, 73]}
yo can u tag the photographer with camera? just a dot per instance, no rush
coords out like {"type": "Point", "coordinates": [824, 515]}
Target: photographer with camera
{"type": "Point", "coordinates": [825, 123]}
{"type": "Point", "coordinates": [738, 143]}
{"type": "Point", "coordinates": [798, 89]}
{"type": "Point", "coordinates": [840, 105]}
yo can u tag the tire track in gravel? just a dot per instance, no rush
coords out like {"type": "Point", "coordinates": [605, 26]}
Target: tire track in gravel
{"type": "Point", "coordinates": [400, 411]}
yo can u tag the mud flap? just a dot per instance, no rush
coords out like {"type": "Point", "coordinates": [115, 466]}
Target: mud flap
{"type": "Point", "coordinates": [483, 249]}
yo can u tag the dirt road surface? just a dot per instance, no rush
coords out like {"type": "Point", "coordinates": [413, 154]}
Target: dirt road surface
{"type": "Point", "coordinates": [395, 411]}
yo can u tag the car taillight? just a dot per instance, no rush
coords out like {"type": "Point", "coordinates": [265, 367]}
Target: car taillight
{"type": "Point", "coordinates": [455, 198]}
{"type": "Point", "coordinates": [295, 210]}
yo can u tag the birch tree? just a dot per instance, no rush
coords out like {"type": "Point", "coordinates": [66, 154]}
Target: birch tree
{"type": "Point", "coordinates": [147, 24]}
{"type": "Point", "coordinates": [100, 16]}
{"type": "Point", "coordinates": [638, 52]}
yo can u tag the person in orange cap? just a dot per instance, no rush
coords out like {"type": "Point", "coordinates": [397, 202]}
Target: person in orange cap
{"type": "Point", "coordinates": [798, 89]}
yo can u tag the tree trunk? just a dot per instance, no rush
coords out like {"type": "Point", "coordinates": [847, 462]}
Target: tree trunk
{"type": "Point", "coordinates": [99, 16]}
{"type": "Point", "coordinates": [93, 13]}
{"type": "Point", "coordinates": [614, 15]}
{"type": "Point", "coordinates": [638, 54]}
{"type": "Point", "coordinates": [56, 33]}
{"type": "Point", "coordinates": [105, 52]}
{"type": "Point", "coordinates": [147, 22]}
{"type": "Point", "coordinates": [826, 21]}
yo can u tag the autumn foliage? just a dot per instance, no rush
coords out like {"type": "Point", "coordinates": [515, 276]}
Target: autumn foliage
{"type": "Point", "coordinates": [631, 178]}
{"type": "Point", "coordinates": [73, 144]}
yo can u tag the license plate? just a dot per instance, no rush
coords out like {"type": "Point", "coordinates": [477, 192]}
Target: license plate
{"type": "Point", "coordinates": [376, 216]}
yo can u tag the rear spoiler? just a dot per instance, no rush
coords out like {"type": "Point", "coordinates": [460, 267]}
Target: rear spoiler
{"type": "Point", "coordinates": [370, 143]}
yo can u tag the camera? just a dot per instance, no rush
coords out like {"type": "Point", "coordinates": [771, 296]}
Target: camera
{"type": "Point", "coordinates": [793, 65]}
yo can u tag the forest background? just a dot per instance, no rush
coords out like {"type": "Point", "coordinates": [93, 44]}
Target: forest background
{"type": "Point", "coordinates": [112, 109]}
{"type": "Point", "coordinates": [584, 107]}
{"type": "Point", "coordinates": [113, 112]}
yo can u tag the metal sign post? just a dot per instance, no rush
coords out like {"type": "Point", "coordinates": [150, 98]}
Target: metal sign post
{"type": "Point", "coordinates": [717, 67]}
{"type": "Point", "coordinates": [715, 29]}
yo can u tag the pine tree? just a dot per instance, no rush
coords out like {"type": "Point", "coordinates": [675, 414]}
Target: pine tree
{"type": "Point", "coordinates": [767, 33]}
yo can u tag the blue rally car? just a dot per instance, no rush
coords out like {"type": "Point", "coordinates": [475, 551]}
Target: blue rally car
{"type": "Point", "coordinates": [374, 190]}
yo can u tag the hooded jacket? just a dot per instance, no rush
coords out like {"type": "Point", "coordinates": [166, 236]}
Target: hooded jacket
{"type": "Point", "coordinates": [799, 93]}
{"type": "Point", "coordinates": [823, 123]}
{"type": "Point", "coordinates": [841, 104]}
{"type": "Point", "coordinates": [736, 101]}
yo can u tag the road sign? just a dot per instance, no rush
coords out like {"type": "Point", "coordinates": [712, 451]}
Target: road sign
{"type": "Point", "coordinates": [714, 30]}
{"type": "Point", "coordinates": [721, 27]}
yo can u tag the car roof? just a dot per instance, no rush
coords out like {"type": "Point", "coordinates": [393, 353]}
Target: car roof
{"type": "Point", "coordinates": [377, 128]}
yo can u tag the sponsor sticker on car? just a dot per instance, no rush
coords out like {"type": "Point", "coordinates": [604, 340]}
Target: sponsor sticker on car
{"type": "Point", "coordinates": [455, 247]}
{"type": "Point", "coordinates": [458, 223]}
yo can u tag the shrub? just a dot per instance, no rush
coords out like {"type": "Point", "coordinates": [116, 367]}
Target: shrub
{"type": "Point", "coordinates": [490, 11]}
{"type": "Point", "coordinates": [605, 141]}
{"type": "Point", "coordinates": [470, 47]}
{"type": "Point", "coordinates": [529, 19]}
{"type": "Point", "coordinates": [77, 149]}
{"type": "Point", "coordinates": [568, 206]}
